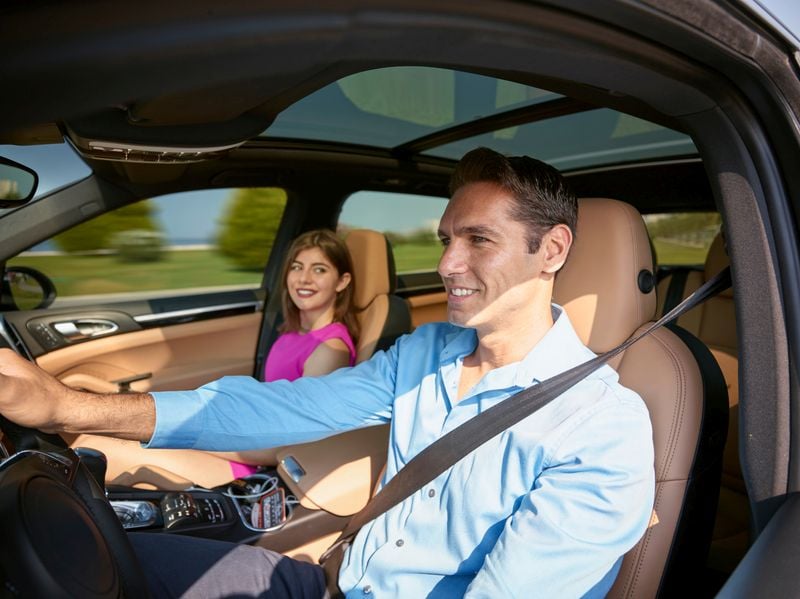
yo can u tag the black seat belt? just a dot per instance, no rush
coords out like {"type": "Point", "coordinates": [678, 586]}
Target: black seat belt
{"type": "Point", "coordinates": [443, 453]}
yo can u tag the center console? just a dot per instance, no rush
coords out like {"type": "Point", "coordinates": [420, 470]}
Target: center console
{"type": "Point", "coordinates": [246, 507]}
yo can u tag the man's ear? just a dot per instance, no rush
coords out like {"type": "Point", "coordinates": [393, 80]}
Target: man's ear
{"type": "Point", "coordinates": [555, 245]}
{"type": "Point", "coordinates": [344, 281]}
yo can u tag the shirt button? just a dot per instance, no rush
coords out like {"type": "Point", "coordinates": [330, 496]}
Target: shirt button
{"type": "Point", "coordinates": [431, 492]}
{"type": "Point", "coordinates": [399, 542]}
{"type": "Point", "coordinates": [367, 590]}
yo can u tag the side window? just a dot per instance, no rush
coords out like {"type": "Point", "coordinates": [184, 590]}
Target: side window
{"type": "Point", "coordinates": [682, 238]}
{"type": "Point", "coordinates": [177, 244]}
{"type": "Point", "coordinates": [409, 221]}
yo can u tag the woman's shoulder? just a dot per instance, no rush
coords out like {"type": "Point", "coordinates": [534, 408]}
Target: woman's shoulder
{"type": "Point", "coordinates": [335, 330]}
{"type": "Point", "coordinates": [332, 330]}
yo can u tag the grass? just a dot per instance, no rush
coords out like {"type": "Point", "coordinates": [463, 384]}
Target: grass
{"type": "Point", "coordinates": [90, 275]}
{"type": "Point", "coordinates": [674, 254]}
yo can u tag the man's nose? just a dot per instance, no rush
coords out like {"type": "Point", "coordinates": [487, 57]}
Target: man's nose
{"type": "Point", "coordinates": [453, 260]}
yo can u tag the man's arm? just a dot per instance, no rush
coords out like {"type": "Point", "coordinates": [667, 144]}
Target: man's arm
{"type": "Point", "coordinates": [588, 508]}
{"type": "Point", "coordinates": [31, 397]}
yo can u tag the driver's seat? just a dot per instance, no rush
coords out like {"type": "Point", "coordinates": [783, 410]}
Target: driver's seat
{"type": "Point", "coordinates": [607, 289]}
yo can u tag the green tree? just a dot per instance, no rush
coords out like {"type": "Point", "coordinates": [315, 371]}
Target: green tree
{"type": "Point", "coordinates": [99, 233]}
{"type": "Point", "coordinates": [249, 225]}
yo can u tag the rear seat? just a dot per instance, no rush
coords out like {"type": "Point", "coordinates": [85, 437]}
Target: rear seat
{"type": "Point", "coordinates": [714, 323]}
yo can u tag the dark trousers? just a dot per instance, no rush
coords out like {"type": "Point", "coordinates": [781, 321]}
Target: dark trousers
{"type": "Point", "coordinates": [178, 566]}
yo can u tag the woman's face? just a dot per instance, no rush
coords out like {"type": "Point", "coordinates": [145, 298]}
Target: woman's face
{"type": "Point", "coordinates": [313, 281]}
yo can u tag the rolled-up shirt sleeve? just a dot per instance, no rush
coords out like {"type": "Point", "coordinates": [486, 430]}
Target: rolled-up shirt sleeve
{"type": "Point", "coordinates": [239, 413]}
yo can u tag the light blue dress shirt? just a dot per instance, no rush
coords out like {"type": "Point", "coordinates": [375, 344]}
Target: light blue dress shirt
{"type": "Point", "coordinates": [545, 509]}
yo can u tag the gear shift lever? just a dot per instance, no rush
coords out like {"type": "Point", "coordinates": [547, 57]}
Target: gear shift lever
{"type": "Point", "coordinates": [95, 461]}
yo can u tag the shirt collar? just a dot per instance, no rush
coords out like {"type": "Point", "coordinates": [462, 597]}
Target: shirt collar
{"type": "Point", "coordinates": [559, 350]}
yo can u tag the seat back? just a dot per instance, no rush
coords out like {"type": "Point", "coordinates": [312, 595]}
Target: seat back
{"type": "Point", "coordinates": [607, 290]}
{"type": "Point", "coordinates": [382, 316]}
{"type": "Point", "coordinates": [714, 323]}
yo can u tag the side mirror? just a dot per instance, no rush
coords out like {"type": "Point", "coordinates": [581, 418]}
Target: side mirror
{"type": "Point", "coordinates": [18, 183]}
{"type": "Point", "coordinates": [28, 288]}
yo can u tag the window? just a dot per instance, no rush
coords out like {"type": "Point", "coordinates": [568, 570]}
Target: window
{"type": "Point", "coordinates": [56, 164]}
{"type": "Point", "coordinates": [409, 221]}
{"type": "Point", "coordinates": [183, 243]}
{"type": "Point", "coordinates": [682, 238]}
{"type": "Point", "coordinates": [394, 105]}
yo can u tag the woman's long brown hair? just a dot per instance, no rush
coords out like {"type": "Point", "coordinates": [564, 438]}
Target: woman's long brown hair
{"type": "Point", "coordinates": [336, 251]}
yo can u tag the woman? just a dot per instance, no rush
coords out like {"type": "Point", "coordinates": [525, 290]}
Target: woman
{"type": "Point", "coordinates": [317, 337]}
{"type": "Point", "coordinates": [320, 327]}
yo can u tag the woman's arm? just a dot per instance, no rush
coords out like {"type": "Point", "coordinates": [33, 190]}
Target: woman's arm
{"type": "Point", "coordinates": [329, 356]}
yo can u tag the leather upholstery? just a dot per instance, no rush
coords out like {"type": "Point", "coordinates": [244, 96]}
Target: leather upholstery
{"type": "Point", "coordinates": [599, 287]}
{"type": "Point", "coordinates": [714, 323]}
{"type": "Point", "coordinates": [382, 316]}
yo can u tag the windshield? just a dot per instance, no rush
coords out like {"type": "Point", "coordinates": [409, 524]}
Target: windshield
{"type": "Point", "coordinates": [57, 165]}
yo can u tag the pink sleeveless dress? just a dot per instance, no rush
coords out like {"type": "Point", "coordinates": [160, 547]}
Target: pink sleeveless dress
{"type": "Point", "coordinates": [286, 359]}
{"type": "Point", "coordinates": [290, 351]}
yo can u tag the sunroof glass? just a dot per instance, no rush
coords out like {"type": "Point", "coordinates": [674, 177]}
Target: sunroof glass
{"type": "Point", "coordinates": [591, 138]}
{"type": "Point", "coordinates": [390, 106]}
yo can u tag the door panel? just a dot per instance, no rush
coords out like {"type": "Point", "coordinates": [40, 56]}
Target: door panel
{"type": "Point", "coordinates": [176, 357]}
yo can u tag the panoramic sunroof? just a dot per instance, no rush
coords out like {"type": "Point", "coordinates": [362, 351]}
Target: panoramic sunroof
{"type": "Point", "coordinates": [591, 138]}
{"type": "Point", "coordinates": [394, 106]}
{"type": "Point", "coordinates": [390, 106]}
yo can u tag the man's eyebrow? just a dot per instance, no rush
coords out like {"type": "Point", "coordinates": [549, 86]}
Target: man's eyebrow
{"type": "Point", "coordinates": [472, 230]}
{"type": "Point", "coordinates": [477, 230]}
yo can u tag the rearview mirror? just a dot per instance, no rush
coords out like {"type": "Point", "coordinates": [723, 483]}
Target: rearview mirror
{"type": "Point", "coordinates": [17, 183]}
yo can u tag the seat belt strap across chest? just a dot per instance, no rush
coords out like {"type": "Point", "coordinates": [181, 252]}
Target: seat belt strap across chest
{"type": "Point", "coordinates": [443, 453]}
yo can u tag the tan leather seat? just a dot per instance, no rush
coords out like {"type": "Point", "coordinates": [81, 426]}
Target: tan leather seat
{"type": "Point", "coordinates": [607, 289]}
{"type": "Point", "coordinates": [383, 316]}
{"type": "Point", "coordinates": [714, 323]}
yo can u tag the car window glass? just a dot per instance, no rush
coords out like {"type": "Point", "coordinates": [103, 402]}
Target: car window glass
{"type": "Point", "coordinates": [393, 105]}
{"type": "Point", "coordinates": [590, 138]}
{"type": "Point", "coordinates": [682, 238]}
{"type": "Point", "coordinates": [409, 222]}
{"type": "Point", "coordinates": [56, 164]}
{"type": "Point", "coordinates": [177, 244]}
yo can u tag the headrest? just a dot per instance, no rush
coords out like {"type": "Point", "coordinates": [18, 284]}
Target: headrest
{"type": "Point", "coordinates": [716, 260]}
{"type": "Point", "coordinates": [373, 265]}
{"type": "Point", "coordinates": [607, 285]}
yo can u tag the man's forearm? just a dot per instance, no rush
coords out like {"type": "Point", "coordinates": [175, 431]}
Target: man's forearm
{"type": "Point", "coordinates": [124, 416]}
{"type": "Point", "coordinates": [31, 397]}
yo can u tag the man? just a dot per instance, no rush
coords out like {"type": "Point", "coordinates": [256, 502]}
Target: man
{"type": "Point", "coordinates": [546, 509]}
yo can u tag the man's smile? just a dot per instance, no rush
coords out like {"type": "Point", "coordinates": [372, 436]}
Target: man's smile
{"type": "Point", "coordinates": [462, 291]}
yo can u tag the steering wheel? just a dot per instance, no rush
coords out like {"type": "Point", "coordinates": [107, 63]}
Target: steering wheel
{"type": "Point", "coordinates": [60, 536]}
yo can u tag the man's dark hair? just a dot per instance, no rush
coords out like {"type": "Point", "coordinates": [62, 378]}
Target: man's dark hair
{"type": "Point", "coordinates": [542, 198]}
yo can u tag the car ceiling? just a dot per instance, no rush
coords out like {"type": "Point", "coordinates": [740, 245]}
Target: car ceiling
{"type": "Point", "coordinates": [215, 76]}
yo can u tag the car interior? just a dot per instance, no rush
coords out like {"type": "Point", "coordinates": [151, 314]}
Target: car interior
{"type": "Point", "coordinates": [357, 128]}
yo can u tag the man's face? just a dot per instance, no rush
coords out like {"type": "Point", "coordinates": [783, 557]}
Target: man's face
{"type": "Point", "coordinates": [491, 279]}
